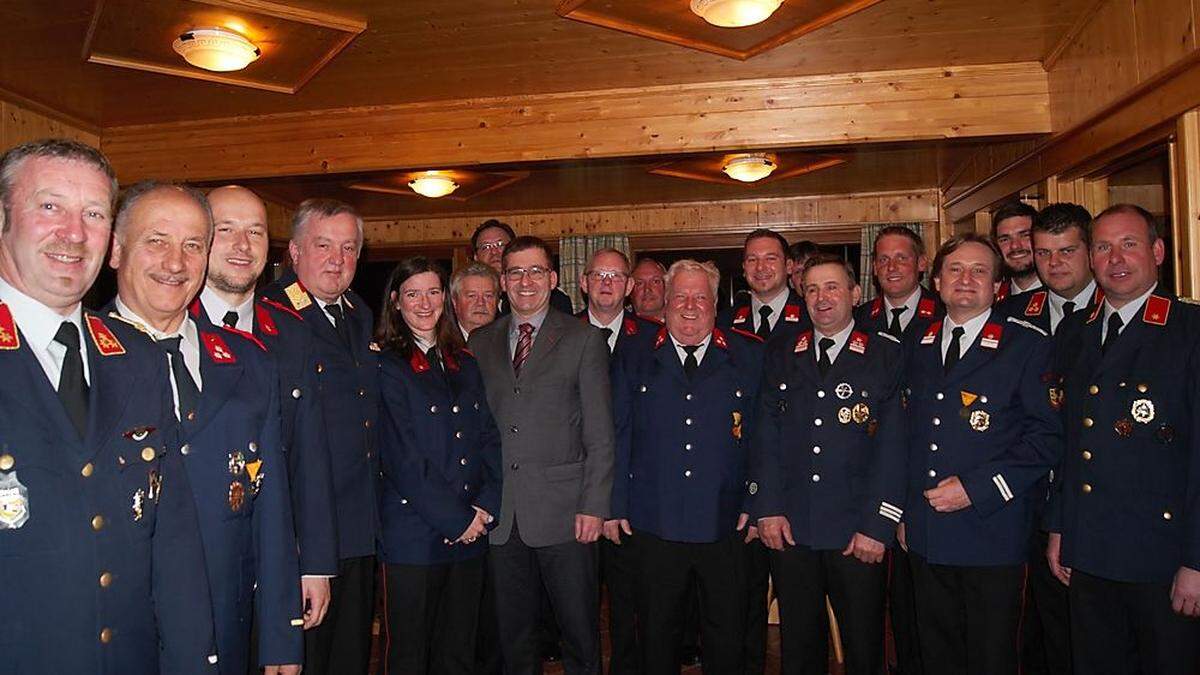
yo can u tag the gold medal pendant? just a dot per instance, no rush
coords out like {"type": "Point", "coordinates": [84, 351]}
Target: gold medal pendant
{"type": "Point", "coordinates": [1123, 427]}
{"type": "Point", "coordinates": [139, 503]}
{"type": "Point", "coordinates": [844, 415]}
{"type": "Point", "coordinates": [861, 413]}
{"type": "Point", "coordinates": [237, 496]}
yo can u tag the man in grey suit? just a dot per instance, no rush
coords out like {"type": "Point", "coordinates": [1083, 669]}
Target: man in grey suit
{"type": "Point", "coordinates": [546, 375]}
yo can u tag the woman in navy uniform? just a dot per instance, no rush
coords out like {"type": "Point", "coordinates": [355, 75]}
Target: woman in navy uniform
{"type": "Point", "coordinates": [440, 451]}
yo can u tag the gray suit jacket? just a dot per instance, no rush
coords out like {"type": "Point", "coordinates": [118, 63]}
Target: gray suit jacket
{"type": "Point", "coordinates": [555, 421]}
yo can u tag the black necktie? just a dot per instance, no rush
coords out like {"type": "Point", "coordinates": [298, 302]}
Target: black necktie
{"type": "Point", "coordinates": [1114, 330]}
{"type": "Point", "coordinates": [954, 351]}
{"type": "Point", "coordinates": [690, 364]}
{"type": "Point", "coordinates": [894, 327]}
{"type": "Point", "coordinates": [340, 323]}
{"type": "Point", "coordinates": [823, 362]}
{"type": "Point", "coordinates": [607, 333]}
{"type": "Point", "coordinates": [230, 319]}
{"type": "Point", "coordinates": [764, 322]}
{"type": "Point", "coordinates": [1068, 309]}
{"type": "Point", "coordinates": [185, 386]}
{"type": "Point", "coordinates": [72, 387]}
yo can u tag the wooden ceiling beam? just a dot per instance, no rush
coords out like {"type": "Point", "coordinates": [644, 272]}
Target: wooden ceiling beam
{"type": "Point", "coordinates": [824, 110]}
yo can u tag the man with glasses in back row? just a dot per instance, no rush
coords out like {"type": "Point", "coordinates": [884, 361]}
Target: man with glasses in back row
{"type": "Point", "coordinates": [487, 246]}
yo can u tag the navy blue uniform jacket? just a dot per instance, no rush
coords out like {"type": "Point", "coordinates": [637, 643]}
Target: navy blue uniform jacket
{"type": "Point", "coordinates": [795, 317]}
{"type": "Point", "coordinates": [441, 456]}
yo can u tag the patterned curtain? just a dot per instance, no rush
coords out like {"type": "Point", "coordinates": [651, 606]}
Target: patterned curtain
{"type": "Point", "coordinates": [866, 278]}
{"type": "Point", "coordinates": [573, 256]}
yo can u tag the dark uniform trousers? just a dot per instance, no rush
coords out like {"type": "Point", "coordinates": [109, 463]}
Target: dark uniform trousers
{"type": "Point", "coordinates": [430, 609]}
{"type": "Point", "coordinates": [342, 643]}
{"type": "Point", "coordinates": [618, 570]}
{"type": "Point", "coordinates": [665, 569]}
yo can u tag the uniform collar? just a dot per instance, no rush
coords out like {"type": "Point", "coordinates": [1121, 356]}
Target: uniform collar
{"type": "Point", "coordinates": [839, 341]}
{"type": "Point", "coordinates": [776, 304]}
{"type": "Point", "coordinates": [1129, 311]}
{"type": "Point", "coordinates": [700, 351]}
{"type": "Point", "coordinates": [215, 307]}
{"type": "Point", "coordinates": [1081, 299]}
{"type": "Point", "coordinates": [971, 329]}
{"type": "Point", "coordinates": [186, 330]}
{"type": "Point", "coordinates": [37, 322]}
{"type": "Point", "coordinates": [1016, 288]}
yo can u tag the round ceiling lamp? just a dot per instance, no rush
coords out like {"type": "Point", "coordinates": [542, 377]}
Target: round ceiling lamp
{"type": "Point", "coordinates": [433, 184]}
{"type": "Point", "coordinates": [749, 168]}
{"type": "Point", "coordinates": [217, 49]}
{"type": "Point", "coordinates": [735, 13]}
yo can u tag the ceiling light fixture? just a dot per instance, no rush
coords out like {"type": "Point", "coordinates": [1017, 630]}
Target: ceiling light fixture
{"type": "Point", "coordinates": [735, 13]}
{"type": "Point", "coordinates": [217, 49]}
{"type": "Point", "coordinates": [433, 184]}
{"type": "Point", "coordinates": [749, 168]}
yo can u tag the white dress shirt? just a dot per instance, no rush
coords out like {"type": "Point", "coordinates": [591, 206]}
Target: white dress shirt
{"type": "Point", "coordinates": [614, 326]}
{"type": "Point", "coordinates": [839, 340]}
{"type": "Point", "coordinates": [216, 307]}
{"type": "Point", "coordinates": [776, 304]}
{"type": "Point", "coordinates": [700, 350]}
{"type": "Point", "coordinates": [971, 330]}
{"type": "Point", "coordinates": [1128, 312]}
{"type": "Point", "coordinates": [910, 309]}
{"type": "Point", "coordinates": [189, 346]}
{"type": "Point", "coordinates": [38, 325]}
{"type": "Point", "coordinates": [1057, 301]}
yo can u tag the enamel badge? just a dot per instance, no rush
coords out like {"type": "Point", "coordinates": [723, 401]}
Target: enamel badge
{"type": "Point", "coordinates": [1142, 411]}
{"type": "Point", "coordinates": [298, 296]}
{"type": "Point", "coordinates": [14, 502]}
{"type": "Point", "coordinates": [9, 338]}
{"type": "Point", "coordinates": [980, 420]}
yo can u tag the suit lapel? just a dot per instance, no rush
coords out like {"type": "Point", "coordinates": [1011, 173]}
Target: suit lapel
{"type": "Point", "coordinates": [109, 393]}
{"type": "Point", "coordinates": [714, 359]}
{"type": "Point", "coordinates": [547, 337]}
{"type": "Point", "coordinates": [45, 405]}
{"type": "Point", "coordinates": [667, 358]}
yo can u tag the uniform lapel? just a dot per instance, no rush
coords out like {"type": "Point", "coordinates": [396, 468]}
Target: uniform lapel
{"type": "Point", "coordinates": [109, 393]}
{"type": "Point", "coordinates": [45, 404]}
{"type": "Point", "coordinates": [804, 362]}
{"type": "Point", "coordinates": [667, 358]}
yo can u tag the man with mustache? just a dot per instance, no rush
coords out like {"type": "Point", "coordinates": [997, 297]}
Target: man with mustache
{"type": "Point", "coordinates": [235, 263]}
{"type": "Point", "coordinates": [474, 294]}
{"type": "Point", "coordinates": [983, 432]}
{"type": "Point", "coordinates": [1012, 227]}
{"type": "Point", "coordinates": [103, 563]}
{"type": "Point", "coordinates": [226, 396]}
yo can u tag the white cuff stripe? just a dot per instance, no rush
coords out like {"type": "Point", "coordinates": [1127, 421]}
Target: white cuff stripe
{"type": "Point", "coordinates": [890, 512]}
{"type": "Point", "coordinates": [1003, 487]}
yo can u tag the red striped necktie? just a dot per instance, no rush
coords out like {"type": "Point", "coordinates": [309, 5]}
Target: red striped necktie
{"type": "Point", "coordinates": [524, 346]}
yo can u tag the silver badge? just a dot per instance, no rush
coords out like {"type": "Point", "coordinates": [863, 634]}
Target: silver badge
{"type": "Point", "coordinates": [1142, 410]}
{"type": "Point", "coordinates": [844, 390]}
{"type": "Point", "coordinates": [14, 502]}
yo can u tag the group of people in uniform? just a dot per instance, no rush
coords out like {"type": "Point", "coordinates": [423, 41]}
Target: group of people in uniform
{"type": "Point", "coordinates": [209, 475]}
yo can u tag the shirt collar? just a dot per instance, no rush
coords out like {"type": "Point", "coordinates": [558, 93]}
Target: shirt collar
{"type": "Point", "coordinates": [37, 322]}
{"type": "Point", "coordinates": [971, 329]}
{"type": "Point", "coordinates": [1081, 299]}
{"type": "Point", "coordinates": [700, 350]}
{"type": "Point", "coordinates": [215, 307]}
{"type": "Point", "coordinates": [776, 304]}
{"type": "Point", "coordinates": [1130, 309]}
{"type": "Point", "coordinates": [422, 344]}
{"type": "Point", "coordinates": [614, 325]}
{"type": "Point", "coordinates": [1016, 288]}
{"type": "Point", "coordinates": [536, 321]}
{"type": "Point", "coordinates": [186, 330]}
{"type": "Point", "coordinates": [839, 340]}
{"type": "Point", "coordinates": [909, 304]}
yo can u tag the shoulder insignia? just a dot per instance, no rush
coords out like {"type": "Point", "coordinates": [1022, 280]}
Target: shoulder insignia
{"type": "Point", "coordinates": [248, 336]}
{"type": "Point", "coordinates": [1095, 312]}
{"type": "Point", "coordinates": [1030, 326]}
{"type": "Point", "coordinates": [791, 313]}
{"type": "Point", "coordinates": [888, 336]}
{"type": "Point", "coordinates": [418, 361]}
{"type": "Point", "coordinates": [106, 343]}
{"type": "Point", "coordinates": [630, 324]}
{"type": "Point", "coordinates": [858, 342]}
{"type": "Point", "coordinates": [280, 306]}
{"type": "Point", "coordinates": [742, 314]}
{"type": "Point", "coordinates": [128, 322]}
{"type": "Point", "coordinates": [931, 333]}
{"type": "Point", "coordinates": [265, 322]}
{"type": "Point", "coordinates": [1004, 290]}
{"type": "Point", "coordinates": [1157, 310]}
{"type": "Point", "coordinates": [744, 333]}
{"type": "Point", "coordinates": [1037, 301]}
{"type": "Point", "coordinates": [718, 339]}
{"type": "Point", "coordinates": [9, 337]}
{"type": "Point", "coordinates": [374, 346]}
{"type": "Point", "coordinates": [298, 296]}
{"type": "Point", "coordinates": [926, 307]}
{"type": "Point", "coordinates": [218, 351]}
{"type": "Point", "coordinates": [802, 342]}
{"type": "Point", "coordinates": [876, 307]}
{"type": "Point", "coordinates": [661, 337]}
{"type": "Point", "coordinates": [990, 337]}
{"type": "Point", "coordinates": [1098, 296]}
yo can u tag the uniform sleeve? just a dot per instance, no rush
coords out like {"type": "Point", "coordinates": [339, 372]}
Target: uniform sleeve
{"type": "Point", "coordinates": [311, 472]}
{"type": "Point", "coordinates": [623, 423]}
{"type": "Point", "coordinates": [277, 602]}
{"type": "Point", "coordinates": [1039, 447]}
{"type": "Point", "coordinates": [1191, 541]}
{"type": "Point", "coordinates": [407, 467]}
{"type": "Point", "coordinates": [182, 601]}
{"type": "Point", "coordinates": [596, 406]}
{"type": "Point", "coordinates": [765, 462]}
{"type": "Point", "coordinates": [887, 469]}
{"type": "Point", "coordinates": [489, 451]}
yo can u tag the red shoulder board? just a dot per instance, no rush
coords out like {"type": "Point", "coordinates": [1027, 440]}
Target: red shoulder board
{"type": "Point", "coordinates": [791, 313]}
{"type": "Point", "coordinates": [1098, 296]}
{"type": "Point", "coordinates": [265, 322]}
{"type": "Point", "coordinates": [661, 337]}
{"type": "Point", "coordinates": [926, 307]}
{"type": "Point", "coordinates": [281, 307]}
{"type": "Point", "coordinates": [931, 333]}
{"type": "Point", "coordinates": [876, 307]}
{"type": "Point", "coordinates": [744, 333]}
{"type": "Point", "coordinates": [990, 337]}
{"type": "Point", "coordinates": [742, 314]}
{"type": "Point", "coordinates": [1157, 310]}
{"type": "Point", "coordinates": [718, 339]}
{"type": "Point", "coordinates": [1036, 302]}
{"type": "Point", "coordinates": [858, 342]}
{"type": "Point", "coordinates": [218, 351]}
{"type": "Point", "coordinates": [106, 343]}
{"type": "Point", "coordinates": [248, 336]}
{"type": "Point", "coordinates": [802, 342]}
{"type": "Point", "coordinates": [631, 327]}
{"type": "Point", "coordinates": [418, 361]}
{"type": "Point", "coordinates": [1004, 290]}
{"type": "Point", "coordinates": [9, 337]}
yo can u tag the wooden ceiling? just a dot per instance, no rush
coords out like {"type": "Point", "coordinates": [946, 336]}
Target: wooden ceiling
{"type": "Point", "coordinates": [475, 48]}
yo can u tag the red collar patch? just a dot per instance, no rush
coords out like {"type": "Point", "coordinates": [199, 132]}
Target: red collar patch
{"type": "Point", "coordinates": [1037, 301]}
{"type": "Point", "coordinates": [858, 342]}
{"type": "Point", "coordinates": [876, 307]}
{"type": "Point", "coordinates": [802, 342]}
{"type": "Point", "coordinates": [1157, 310]}
{"type": "Point", "coordinates": [1004, 290]}
{"type": "Point", "coordinates": [661, 338]}
{"type": "Point", "coordinates": [630, 325]}
{"type": "Point", "coordinates": [742, 314]}
{"type": "Point", "coordinates": [718, 339]}
{"type": "Point", "coordinates": [9, 337]}
{"type": "Point", "coordinates": [791, 313]}
{"type": "Point", "coordinates": [106, 343]}
{"type": "Point", "coordinates": [218, 351]}
{"type": "Point", "coordinates": [1098, 296]}
{"type": "Point", "coordinates": [931, 333]}
{"type": "Point", "coordinates": [265, 322]}
{"type": "Point", "coordinates": [1095, 312]}
{"type": "Point", "coordinates": [418, 361]}
{"type": "Point", "coordinates": [990, 337]}
{"type": "Point", "coordinates": [926, 307]}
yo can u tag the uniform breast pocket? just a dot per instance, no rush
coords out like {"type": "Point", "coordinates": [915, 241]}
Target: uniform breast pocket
{"type": "Point", "coordinates": [140, 486]}
{"type": "Point", "coordinates": [35, 503]}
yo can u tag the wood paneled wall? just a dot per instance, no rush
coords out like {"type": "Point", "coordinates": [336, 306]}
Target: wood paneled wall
{"type": "Point", "coordinates": [21, 123]}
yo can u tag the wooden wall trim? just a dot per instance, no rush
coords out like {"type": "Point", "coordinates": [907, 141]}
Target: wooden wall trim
{"type": "Point", "coordinates": [46, 111]}
{"type": "Point", "coordinates": [900, 105]}
{"type": "Point", "coordinates": [1068, 38]}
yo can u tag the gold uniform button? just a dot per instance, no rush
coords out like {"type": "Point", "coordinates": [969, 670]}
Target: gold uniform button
{"type": "Point", "coordinates": [1087, 487]}
{"type": "Point", "coordinates": [191, 415]}
{"type": "Point", "coordinates": [87, 470]}
{"type": "Point", "coordinates": [1166, 515]}
{"type": "Point", "coordinates": [106, 635]}
{"type": "Point", "coordinates": [1093, 390]}
{"type": "Point", "coordinates": [148, 454]}
{"type": "Point", "coordinates": [6, 462]}
{"type": "Point", "coordinates": [97, 522]}
{"type": "Point", "coordinates": [367, 424]}
{"type": "Point", "coordinates": [320, 368]}
{"type": "Point", "coordinates": [1088, 422]}
{"type": "Point", "coordinates": [362, 393]}
{"type": "Point", "coordinates": [106, 579]}
{"type": "Point", "coordinates": [1142, 388]}
{"type": "Point", "coordinates": [1087, 455]}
